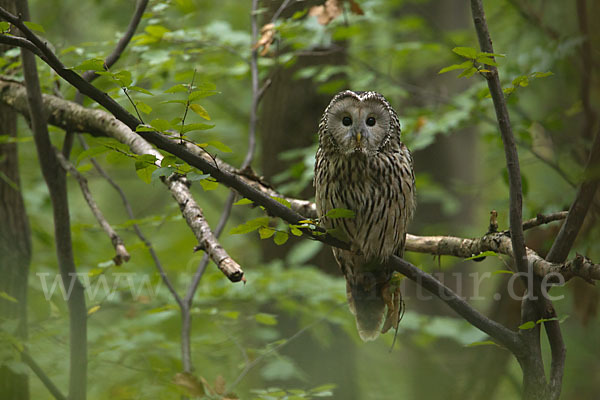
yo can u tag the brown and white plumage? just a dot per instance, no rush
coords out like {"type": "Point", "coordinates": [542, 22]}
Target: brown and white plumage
{"type": "Point", "coordinates": [362, 165]}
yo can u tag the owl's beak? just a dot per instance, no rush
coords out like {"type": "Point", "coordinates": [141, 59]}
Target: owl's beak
{"type": "Point", "coordinates": [358, 137]}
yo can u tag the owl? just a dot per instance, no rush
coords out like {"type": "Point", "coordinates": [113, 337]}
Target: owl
{"type": "Point", "coordinates": [362, 165]}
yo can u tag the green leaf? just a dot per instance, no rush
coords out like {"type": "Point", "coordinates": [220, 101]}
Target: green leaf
{"type": "Point", "coordinates": [195, 177]}
{"type": "Point", "coordinates": [4, 26]}
{"type": "Point", "coordinates": [157, 31]}
{"type": "Point", "coordinates": [243, 201]}
{"type": "Point", "coordinates": [266, 232]}
{"type": "Point", "coordinates": [502, 271]}
{"type": "Point", "coordinates": [265, 319]}
{"type": "Point", "coordinates": [141, 90]}
{"type": "Point", "coordinates": [453, 67]}
{"type": "Point", "coordinates": [198, 94]}
{"type": "Point", "coordinates": [467, 73]}
{"type": "Point", "coordinates": [177, 88]}
{"type": "Point", "coordinates": [94, 64]}
{"type": "Point", "coordinates": [145, 174]}
{"type": "Point", "coordinates": [160, 124]}
{"type": "Point", "coordinates": [250, 226]}
{"type": "Point", "coordinates": [539, 321]}
{"type": "Point", "coordinates": [527, 325]}
{"type": "Point", "coordinates": [209, 184]}
{"type": "Point", "coordinates": [483, 53]}
{"type": "Point", "coordinates": [467, 52]}
{"type": "Point", "coordinates": [168, 160]}
{"type": "Point", "coordinates": [162, 171]}
{"type": "Point", "coordinates": [123, 78]}
{"type": "Point", "coordinates": [6, 296]}
{"type": "Point", "coordinates": [174, 102]}
{"type": "Point", "coordinates": [295, 231]}
{"type": "Point", "coordinates": [281, 200]}
{"type": "Point", "coordinates": [198, 109]}
{"type": "Point", "coordinates": [144, 161]}
{"type": "Point", "coordinates": [219, 146]}
{"type": "Point", "coordinates": [93, 309]}
{"type": "Point", "coordinates": [34, 26]}
{"type": "Point", "coordinates": [91, 152]}
{"type": "Point", "coordinates": [482, 343]}
{"type": "Point", "coordinates": [484, 254]}
{"type": "Point", "coordinates": [542, 74]}
{"type": "Point", "coordinates": [324, 388]}
{"type": "Point", "coordinates": [144, 128]}
{"type": "Point", "coordinates": [280, 238]}
{"type": "Point", "coordinates": [143, 107]}
{"type": "Point", "coordinates": [197, 127]}
{"type": "Point", "coordinates": [231, 314]}
{"type": "Point", "coordinates": [340, 213]}
{"type": "Point", "coordinates": [487, 61]}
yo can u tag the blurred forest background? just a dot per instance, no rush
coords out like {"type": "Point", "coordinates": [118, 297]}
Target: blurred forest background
{"type": "Point", "coordinates": [287, 331]}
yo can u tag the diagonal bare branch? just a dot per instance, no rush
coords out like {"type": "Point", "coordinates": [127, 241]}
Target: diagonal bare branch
{"type": "Point", "coordinates": [122, 254]}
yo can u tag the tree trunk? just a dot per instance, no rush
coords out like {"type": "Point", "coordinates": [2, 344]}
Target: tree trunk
{"type": "Point", "coordinates": [15, 248]}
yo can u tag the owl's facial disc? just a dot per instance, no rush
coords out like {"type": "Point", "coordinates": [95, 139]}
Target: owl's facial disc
{"type": "Point", "coordinates": [358, 126]}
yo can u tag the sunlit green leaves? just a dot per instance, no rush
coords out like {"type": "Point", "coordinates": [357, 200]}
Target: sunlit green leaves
{"type": "Point", "coordinates": [474, 63]}
{"type": "Point", "coordinates": [266, 319]}
{"type": "Point", "coordinates": [523, 81]}
{"type": "Point", "coordinates": [198, 109]}
{"type": "Point", "coordinates": [280, 238]}
{"type": "Point", "coordinates": [250, 226]}
{"type": "Point", "coordinates": [93, 64]}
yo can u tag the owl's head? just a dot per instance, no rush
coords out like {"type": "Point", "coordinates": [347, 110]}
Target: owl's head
{"type": "Point", "coordinates": [359, 122]}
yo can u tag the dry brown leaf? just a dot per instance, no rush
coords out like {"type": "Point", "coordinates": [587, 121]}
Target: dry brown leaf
{"type": "Point", "coordinates": [327, 12]}
{"type": "Point", "coordinates": [220, 385]}
{"type": "Point", "coordinates": [267, 36]}
{"type": "Point", "coordinates": [333, 9]}
{"type": "Point", "coordinates": [190, 383]}
{"type": "Point", "coordinates": [355, 8]}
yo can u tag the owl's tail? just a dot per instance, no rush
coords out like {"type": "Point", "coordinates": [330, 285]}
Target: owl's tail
{"type": "Point", "coordinates": [368, 306]}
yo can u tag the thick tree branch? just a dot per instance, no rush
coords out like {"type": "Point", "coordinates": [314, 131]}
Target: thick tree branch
{"type": "Point", "coordinates": [71, 116]}
{"type": "Point", "coordinates": [501, 243]}
{"type": "Point", "coordinates": [122, 254]}
{"type": "Point", "coordinates": [503, 335]}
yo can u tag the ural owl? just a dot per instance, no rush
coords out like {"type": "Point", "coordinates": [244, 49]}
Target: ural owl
{"type": "Point", "coordinates": [362, 165]}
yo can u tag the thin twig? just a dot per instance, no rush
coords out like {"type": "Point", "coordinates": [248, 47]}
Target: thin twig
{"type": "Point", "coordinates": [281, 8]}
{"type": "Point", "coordinates": [45, 379]}
{"type": "Point", "coordinates": [121, 252]}
{"type": "Point", "coordinates": [122, 44]}
{"type": "Point", "coordinates": [109, 61]}
{"type": "Point", "coordinates": [261, 357]}
{"type": "Point", "coordinates": [21, 42]}
{"type": "Point", "coordinates": [255, 90]}
{"type": "Point", "coordinates": [534, 19]}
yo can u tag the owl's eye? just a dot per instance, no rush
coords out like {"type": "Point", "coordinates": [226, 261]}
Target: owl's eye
{"type": "Point", "coordinates": [371, 121]}
{"type": "Point", "coordinates": [347, 121]}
